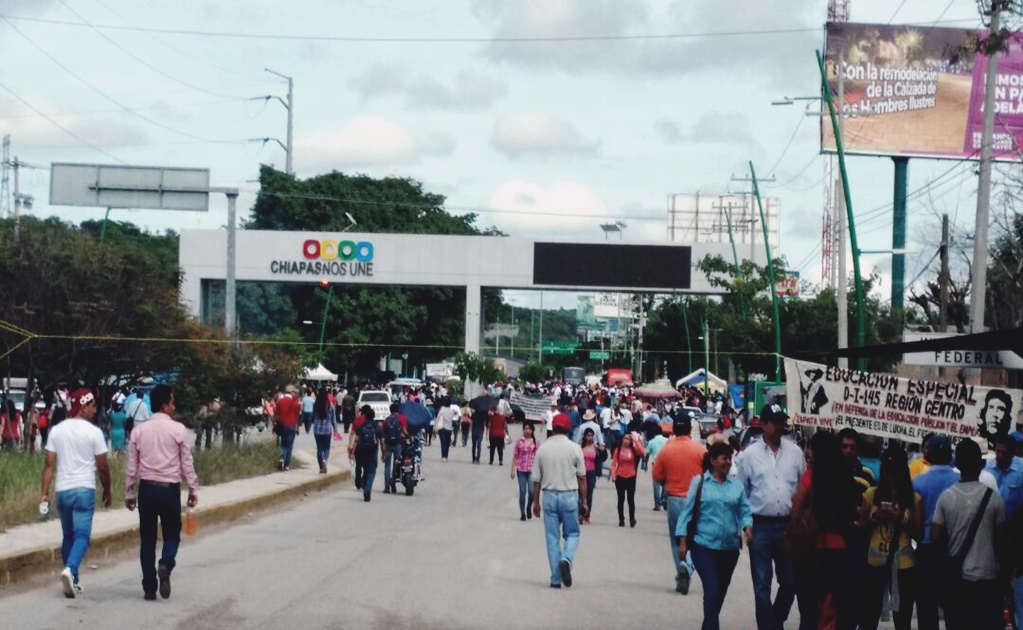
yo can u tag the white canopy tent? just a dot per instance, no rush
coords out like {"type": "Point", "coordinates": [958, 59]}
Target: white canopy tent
{"type": "Point", "coordinates": [696, 379]}
{"type": "Point", "coordinates": [319, 373]}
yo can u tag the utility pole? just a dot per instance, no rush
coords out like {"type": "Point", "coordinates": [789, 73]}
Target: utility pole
{"type": "Point", "coordinates": [943, 277]}
{"type": "Point", "coordinates": [289, 105]}
{"type": "Point", "coordinates": [979, 280]}
{"type": "Point", "coordinates": [752, 219]}
{"type": "Point", "coordinates": [842, 292]}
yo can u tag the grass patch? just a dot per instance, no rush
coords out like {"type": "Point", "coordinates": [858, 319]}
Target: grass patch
{"type": "Point", "coordinates": [21, 477]}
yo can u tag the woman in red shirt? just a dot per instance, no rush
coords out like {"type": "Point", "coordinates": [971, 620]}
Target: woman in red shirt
{"type": "Point", "coordinates": [623, 474]}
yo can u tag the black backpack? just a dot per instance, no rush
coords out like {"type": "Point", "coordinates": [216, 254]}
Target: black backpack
{"type": "Point", "coordinates": [392, 430]}
{"type": "Point", "coordinates": [367, 435]}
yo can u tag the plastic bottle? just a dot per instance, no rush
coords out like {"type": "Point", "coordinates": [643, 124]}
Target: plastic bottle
{"type": "Point", "coordinates": [191, 523]}
{"type": "Point", "coordinates": [44, 510]}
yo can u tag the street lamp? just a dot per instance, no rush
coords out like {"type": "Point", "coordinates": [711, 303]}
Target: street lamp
{"type": "Point", "coordinates": [326, 307]}
{"type": "Point", "coordinates": [617, 226]}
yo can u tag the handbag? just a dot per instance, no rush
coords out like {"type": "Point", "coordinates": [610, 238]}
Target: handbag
{"type": "Point", "coordinates": [697, 501]}
{"type": "Point", "coordinates": [951, 567]}
{"type": "Point", "coordinates": [800, 540]}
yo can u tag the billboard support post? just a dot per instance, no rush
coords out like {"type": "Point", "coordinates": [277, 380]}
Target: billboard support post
{"type": "Point", "coordinates": [899, 232]}
{"type": "Point", "coordinates": [979, 272]}
{"type": "Point", "coordinates": [770, 269]}
{"type": "Point", "coordinates": [861, 318]}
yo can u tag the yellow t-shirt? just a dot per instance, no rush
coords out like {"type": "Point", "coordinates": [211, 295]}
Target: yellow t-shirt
{"type": "Point", "coordinates": [881, 537]}
{"type": "Point", "coordinates": [918, 467]}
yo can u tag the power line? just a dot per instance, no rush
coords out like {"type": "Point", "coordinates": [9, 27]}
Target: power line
{"type": "Point", "coordinates": [897, 9]}
{"type": "Point", "coordinates": [143, 61]}
{"type": "Point", "coordinates": [792, 138]}
{"type": "Point", "coordinates": [432, 40]}
{"type": "Point", "coordinates": [60, 126]}
{"type": "Point", "coordinates": [101, 92]}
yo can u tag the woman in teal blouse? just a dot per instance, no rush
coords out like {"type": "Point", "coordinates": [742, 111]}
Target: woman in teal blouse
{"type": "Point", "coordinates": [722, 516]}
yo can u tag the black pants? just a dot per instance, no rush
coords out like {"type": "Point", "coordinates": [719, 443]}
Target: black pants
{"type": "Point", "coordinates": [465, 432]}
{"type": "Point", "coordinates": [497, 444]}
{"type": "Point", "coordinates": [928, 574]}
{"type": "Point", "coordinates": [875, 581]}
{"type": "Point", "coordinates": [626, 487]}
{"type": "Point", "coordinates": [976, 606]}
{"type": "Point", "coordinates": [365, 468]}
{"type": "Point", "coordinates": [158, 502]}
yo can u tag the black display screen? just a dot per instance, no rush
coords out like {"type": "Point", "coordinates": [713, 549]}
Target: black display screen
{"type": "Point", "coordinates": [641, 266]}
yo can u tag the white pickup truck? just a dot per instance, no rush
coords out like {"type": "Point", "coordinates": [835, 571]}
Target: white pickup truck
{"type": "Point", "coordinates": [378, 400]}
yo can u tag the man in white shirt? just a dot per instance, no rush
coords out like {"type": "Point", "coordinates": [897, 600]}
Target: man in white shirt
{"type": "Point", "coordinates": [548, 416]}
{"type": "Point", "coordinates": [76, 449]}
{"type": "Point", "coordinates": [769, 471]}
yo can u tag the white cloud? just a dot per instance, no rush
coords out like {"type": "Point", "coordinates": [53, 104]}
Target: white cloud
{"type": "Point", "coordinates": [768, 55]}
{"type": "Point", "coordinates": [563, 210]}
{"type": "Point", "coordinates": [469, 90]}
{"type": "Point", "coordinates": [369, 142]}
{"type": "Point", "coordinates": [538, 133]}
{"type": "Point", "coordinates": [714, 127]}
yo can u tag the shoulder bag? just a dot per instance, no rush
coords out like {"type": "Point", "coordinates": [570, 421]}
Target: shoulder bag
{"type": "Point", "coordinates": [697, 501]}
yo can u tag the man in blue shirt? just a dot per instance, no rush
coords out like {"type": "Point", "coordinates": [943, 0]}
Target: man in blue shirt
{"type": "Point", "coordinates": [930, 485]}
{"type": "Point", "coordinates": [1008, 472]}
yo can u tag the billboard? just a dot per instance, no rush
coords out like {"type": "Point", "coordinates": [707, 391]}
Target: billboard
{"type": "Point", "coordinates": [787, 285]}
{"type": "Point", "coordinates": [918, 91]}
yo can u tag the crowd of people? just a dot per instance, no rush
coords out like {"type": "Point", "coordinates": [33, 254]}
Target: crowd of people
{"type": "Point", "coordinates": [847, 539]}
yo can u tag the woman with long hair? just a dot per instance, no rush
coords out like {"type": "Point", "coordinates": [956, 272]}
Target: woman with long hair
{"type": "Point", "coordinates": [624, 463]}
{"type": "Point", "coordinates": [522, 467]}
{"type": "Point", "coordinates": [718, 515]}
{"type": "Point", "coordinates": [836, 500]}
{"type": "Point", "coordinates": [324, 427]}
{"type": "Point", "coordinates": [896, 518]}
{"type": "Point", "coordinates": [593, 455]}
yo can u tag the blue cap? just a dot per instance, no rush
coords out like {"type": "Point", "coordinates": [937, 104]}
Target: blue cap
{"type": "Point", "coordinates": [1017, 436]}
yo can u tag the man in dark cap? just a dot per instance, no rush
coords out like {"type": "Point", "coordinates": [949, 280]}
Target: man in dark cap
{"type": "Point", "coordinates": [769, 471]}
{"type": "Point", "coordinates": [678, 462]}
{"type": "Point", "coordinates": [929, 485]}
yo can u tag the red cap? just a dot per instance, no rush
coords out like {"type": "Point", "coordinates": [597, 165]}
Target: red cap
{"type": "Point", "coordinates": [79, 399]}
{"type": "Point", "coordinates": [562, 422]}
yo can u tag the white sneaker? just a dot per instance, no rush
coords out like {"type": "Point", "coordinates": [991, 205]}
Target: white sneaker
{"type": "Point", "coordinates": [68, 581]}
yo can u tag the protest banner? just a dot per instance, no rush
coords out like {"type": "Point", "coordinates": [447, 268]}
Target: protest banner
{"type": "Point", "coordinates": [534, 408]}
{"type": "Point", "coordinates": [889, 406]}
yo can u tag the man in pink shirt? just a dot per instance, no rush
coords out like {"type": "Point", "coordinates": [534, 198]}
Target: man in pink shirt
{"type": "Point", "coordinates": [158, 457]}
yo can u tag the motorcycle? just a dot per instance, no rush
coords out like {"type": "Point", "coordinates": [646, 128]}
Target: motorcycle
{"type": "Point", "coordinates": [409, 467]}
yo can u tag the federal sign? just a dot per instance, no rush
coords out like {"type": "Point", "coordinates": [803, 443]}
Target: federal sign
{"type": "Point", "coordinates": [600, 355]}
{"type": "Point", "coordinates": [1005, 359]}
{"type": "Point", "coordinates": [559, 347]}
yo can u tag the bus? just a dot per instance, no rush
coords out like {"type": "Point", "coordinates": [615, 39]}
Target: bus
{"type": "Point", "coordinates": [573, 375]}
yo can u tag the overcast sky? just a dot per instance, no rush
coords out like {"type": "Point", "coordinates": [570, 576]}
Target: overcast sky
{"type": "Point", "coordinates": [619, 105]}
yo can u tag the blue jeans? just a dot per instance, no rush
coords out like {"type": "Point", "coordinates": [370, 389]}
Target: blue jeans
{"type": "Point", "coordinates": [307, 420]}
{"type": "Point", "coordinates": [525, 491]}
{"type": "Point", "coordinates": [767, 549]}
{"type": "Point", "coordinates": [445, 442]}
{"type": "Point", "coordinates": [287, 442]}
{"type": "Point", "coordinates": [660, 495]}
{"type": "Point", "coordinates": [675, 506]}
{"type": "Point", "coordinates": [1017, 598]}
{"type": "Point", "coordinates": [560, 519]}
{"type": "Point", "coordinates": [477, 444]}
{"type": "Point", "coordinates": [365, 468]}
{"type": "Point", "coordinates": [75, 507]}
{"type": "Point", "coordinates": [715, 568]}
{"type": "Point", "coordinates": [391, 451]}
{"type": "Point", "coordinates": [322, 447]}
{"type": "Point", "coordinates": [158, 502]}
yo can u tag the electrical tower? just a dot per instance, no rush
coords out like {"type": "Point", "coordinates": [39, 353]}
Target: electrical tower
{"type": "Point", "coordinates": [838, 11]}
{"type": "Point", "coordinates": [5, 180]}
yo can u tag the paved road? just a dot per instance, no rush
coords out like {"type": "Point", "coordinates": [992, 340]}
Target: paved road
{"type": "Point", "coordinates": [455, 555]}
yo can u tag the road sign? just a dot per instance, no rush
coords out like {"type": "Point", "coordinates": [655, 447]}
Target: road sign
{"type": "Point", "coordinates": [559, 347]}
{"type": "Point", "coordinates": [1005, 359]}
{"type": "Point", "coordinates": [149, 187]}
{"type": "Point", "coordinates": [599, 355]}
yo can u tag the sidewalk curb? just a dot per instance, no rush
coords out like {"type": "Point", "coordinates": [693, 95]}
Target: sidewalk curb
{"type": "Point", "coordinates": [47, 560]}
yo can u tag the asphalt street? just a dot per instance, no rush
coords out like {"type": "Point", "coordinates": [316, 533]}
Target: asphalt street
{"type": "Point", "coordinates": [455, 555]}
